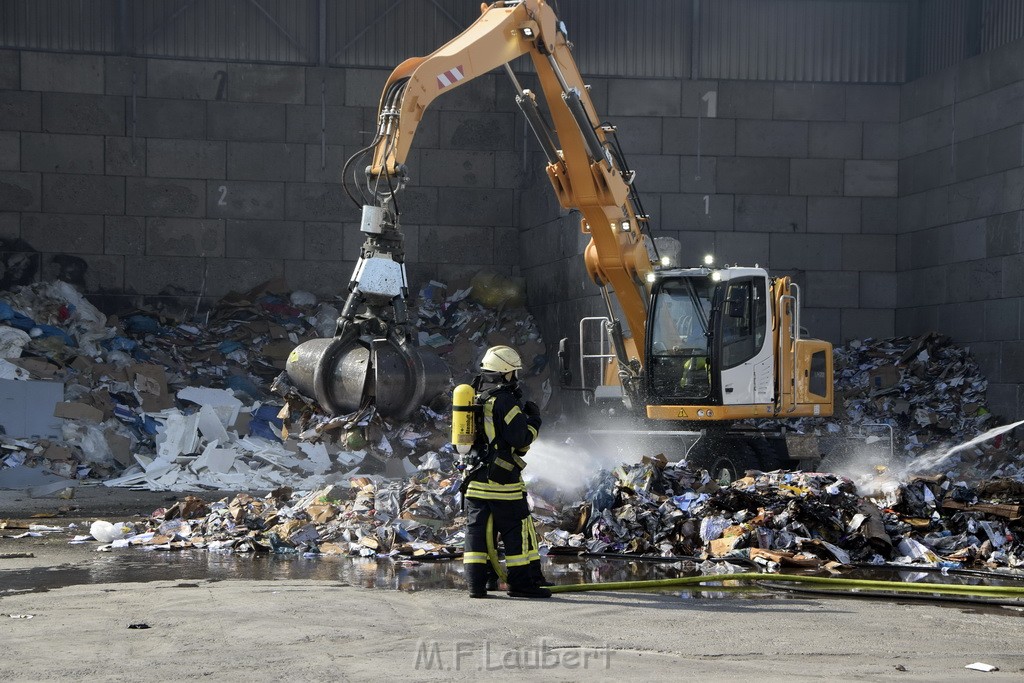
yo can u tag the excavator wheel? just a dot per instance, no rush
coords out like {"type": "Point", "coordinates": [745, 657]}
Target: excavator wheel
{"type": "Point", "coordinates": [725, 460]}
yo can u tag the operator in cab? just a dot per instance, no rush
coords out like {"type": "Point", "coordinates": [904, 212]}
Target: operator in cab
{"type": "Point", "coordinates": [495, 494]}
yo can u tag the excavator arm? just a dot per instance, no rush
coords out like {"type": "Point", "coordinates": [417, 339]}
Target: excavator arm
{"type": "Point", "coordinates": [581, 165]}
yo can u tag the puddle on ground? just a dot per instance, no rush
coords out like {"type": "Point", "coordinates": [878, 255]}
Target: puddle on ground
{"type": "Point", "coordinates": [189, 566]}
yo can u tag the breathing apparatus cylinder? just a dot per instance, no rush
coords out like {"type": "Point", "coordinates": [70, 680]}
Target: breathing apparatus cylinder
{"type": "Point", "coordinates": [463, 418]}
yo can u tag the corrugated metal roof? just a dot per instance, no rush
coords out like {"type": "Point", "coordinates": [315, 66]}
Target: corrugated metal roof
{"type": "Point", "coordinates": [85, 26]}
{"type": "Point", "coordinates": [803, 40]}
{"type": "Point", "coordinates": [1002, 22]}
{"type": "Point", "coordinates": [943, 34]}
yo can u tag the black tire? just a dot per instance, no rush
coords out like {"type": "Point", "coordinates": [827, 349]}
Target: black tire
{"type": "Point", "coordinates": [728, 459]}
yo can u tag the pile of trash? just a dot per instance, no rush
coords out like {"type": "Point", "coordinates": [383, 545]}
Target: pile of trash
{"type": "Point", "coordinates": [177, 401]}
{"type": "Point", "coordinates": [792, 519]}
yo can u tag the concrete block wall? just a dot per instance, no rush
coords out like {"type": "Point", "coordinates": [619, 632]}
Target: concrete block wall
{"type": "Point", "coordinates": [161, 177]}
{"type": "Point", "coordinates": [960, 249]}
{"type": "Point", "coordinates": [799, 178]}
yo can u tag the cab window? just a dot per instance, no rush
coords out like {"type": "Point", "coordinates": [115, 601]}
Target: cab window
{"type": "Point", "coordinates": [744, 321]}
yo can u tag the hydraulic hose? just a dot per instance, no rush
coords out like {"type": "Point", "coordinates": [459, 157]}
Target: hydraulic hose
{"type": "Point", "coordinates": [853, 584]}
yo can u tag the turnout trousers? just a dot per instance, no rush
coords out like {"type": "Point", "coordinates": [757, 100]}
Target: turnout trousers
{"type": "Point", "coordinates": [485, 519]}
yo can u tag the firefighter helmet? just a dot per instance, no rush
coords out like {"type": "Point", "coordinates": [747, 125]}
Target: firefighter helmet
{"type": "Point", "coordinates": [501, 359]}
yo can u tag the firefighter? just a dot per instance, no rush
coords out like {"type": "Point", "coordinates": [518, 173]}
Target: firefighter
{"type": "Point", "coordinates": [495, 494]}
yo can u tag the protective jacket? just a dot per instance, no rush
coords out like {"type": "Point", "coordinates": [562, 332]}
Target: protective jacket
{"type": "Point", "coordinates": [507, 435]}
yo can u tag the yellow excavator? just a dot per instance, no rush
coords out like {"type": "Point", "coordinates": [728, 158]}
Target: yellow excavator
{"type": "Point", "coordinates": [702, 348]}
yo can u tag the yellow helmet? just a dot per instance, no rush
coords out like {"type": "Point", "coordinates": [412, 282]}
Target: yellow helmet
{"type": "Point", "coordinates": [501, 359]}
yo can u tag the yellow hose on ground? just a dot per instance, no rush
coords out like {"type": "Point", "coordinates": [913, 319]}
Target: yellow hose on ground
{"type": "Point", "coordinates": [828, 582]}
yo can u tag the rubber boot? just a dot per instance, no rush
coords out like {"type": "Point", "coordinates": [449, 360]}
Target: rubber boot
{"type": "Point", "coordinates": [476, 579]}
{"type": "Point", "coordinates": [537, 575]}
{"type": "Point", "coordinates": [528, 591]}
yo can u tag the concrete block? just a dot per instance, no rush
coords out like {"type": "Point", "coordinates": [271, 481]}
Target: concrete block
{"type": "Point", "coordinates": [60, 72]}
{"type": "Point", "coordinates": [267, 161]}
{"type": "Point", "coordinates": [1002, 319]}
{"type": "Point", "coordinates": [877, 103]}
{"type": "Point", "coordinates": [827, 289]}
{"type": "Point", "coordinates": [743, 248]}
{"type": "Point", "coordinates": [325, 85]}
{"type": "Point", "coordinates": [103, 274]}
{"type": "Point", "coordinates": [97, 114]}
{"type": "Point", "coordinates": [644, 97]}
{"type": "Point", "coordinates": [916, 321]}
{"type": "Point", "coordinates": [186, 158]}
{"type": "Point", "coordinates": [156, 197]}
{"type": "Point", "coordinates": [771, 138]}
{"type": "Point", "coordinates": [990, 111]}
{"type": "Point", "coordinates": [183, 80]}
{"type": "Point", "coordinates": [124, 235]}
{"type": "Point", "coordinates": [869, 252]}
{"type": "Point", "coordinates": [925, 132]}
{"type": "Point", "coordinates": [184, 237]}
{"type": "Point", "coordinates": [810, 102]}
{"type": "Point", "coordinates": [833, 214]}
{"type": "Point", "coordinates": [748, 175]}
{"type": "Point", "coordinates": [878, 290]}
{"type": "Point", "coordinates": [963, 322]}
{"type": "Point", "coordinates": [330, 241]}
{"type": "Point", "coordinates": [508, 170]}
{"type": "Point", "coordinates": [638, 135]}
{"type": "Point", "coordinates": [700, 98]}
{"type": "Point", "coordinates": [762, 213]}
{"type": "Point", "coordinates": [947, 244]}
{"type": "Point", "coordinates": [1013, 275]}
{"type": "Point", "coordinates": [454, 244]}
{"type": "Point", "coordinates": [1003, 234]}
{"type": "Point", "coordinates": [745, 100]}
{"type": "Point", "coordinates": [927, 94]}
{"type": "Point", "coordinates": [816, 177]}
{"type": "Point", "coordinates": [20, 110]}
{"type": "Point", "coordinates": [805, 252]}
{"type": "Point", "coordinates": [921, 287]}
{"type": "Point", "coordinates": [1011, 362]}
{"type": "Point", "coordinates": [862, 323]}
{"type": "Point", "coordinates": [319, 202]}
{"type": "Point", "coordinates": [697, 174]}
{"type": "Point", "coordinates": [999, 151]}
{"type": "Point", "coordinates": [265, 239]}
{"type": "Point", "coordinates": [66, 193]}
{"type": "Point", "coordinates": [694, 212]}
{"type": "Point", "coordinates": [456, 168]}
{"type": "Point", "coordinates": [714, 137]}
{"type": "Point", "coordinates": [125, 156]}
{"type": "Point", "coordinates": [63, 234]}
{"type": "Point", "coordinates": [926, 171]}
{"type": "Point", "coordinates": [251, 122]}
{"type": "Point", "coordinates": [879, 215]}
{"type": "Point", "coordinates": [19, 192]}
{"type": "Point", "coordinates": [170, 118]}
{"type": "Point", "coordinates": [913, 211]}
{"type": "Point", "coordinates": [363, 87]}
{"type": "Point", "coordinates": [266, 83]}
{"type": "Point", "coordinates": [1004, 399]}
{"type": "Point", "coordinates": [337, 125]}
{"type": "Point", "coordinates": [323, 278]}
{"type": "Point", "coordinates": [871, 178]}
{"type": "Point", "coordinates": [124, 76]}
{"type": "Point", "coordinates": [10, 70]}
{"type": "Point", "coordinates": [10, 226]}
{"type": "Point", "coordinates": [149, 275]}
{"type": "Point", "coordinates": [240, 275]}
{"type": "Point", "coordinates": [492, 132]}
{"type": "Point", "coordinates": [10, 151]}
{"type": "Point", "coordinates": [823, 323]}
{"type": "Point", "coordinates": [506, 247]}
{"type": "Point", "coordinates": [656, 173]}
{"type": "Point", "coordinates": [419, 205]}
{"type": "Point", "coordinates": [975, 280]}
{"type": "Point", "coordinates": [245, 199]}
{"type": "Point", "coordinates": [51, 153]}
{"type": "Point", "coordinates": [881, 140]}
{"type": "Point", "coordinates": [322, 165]}
{"type": "Point", "coordinates": [834, 140]}
{"type": "Point", "coordinates": [478, 207]}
